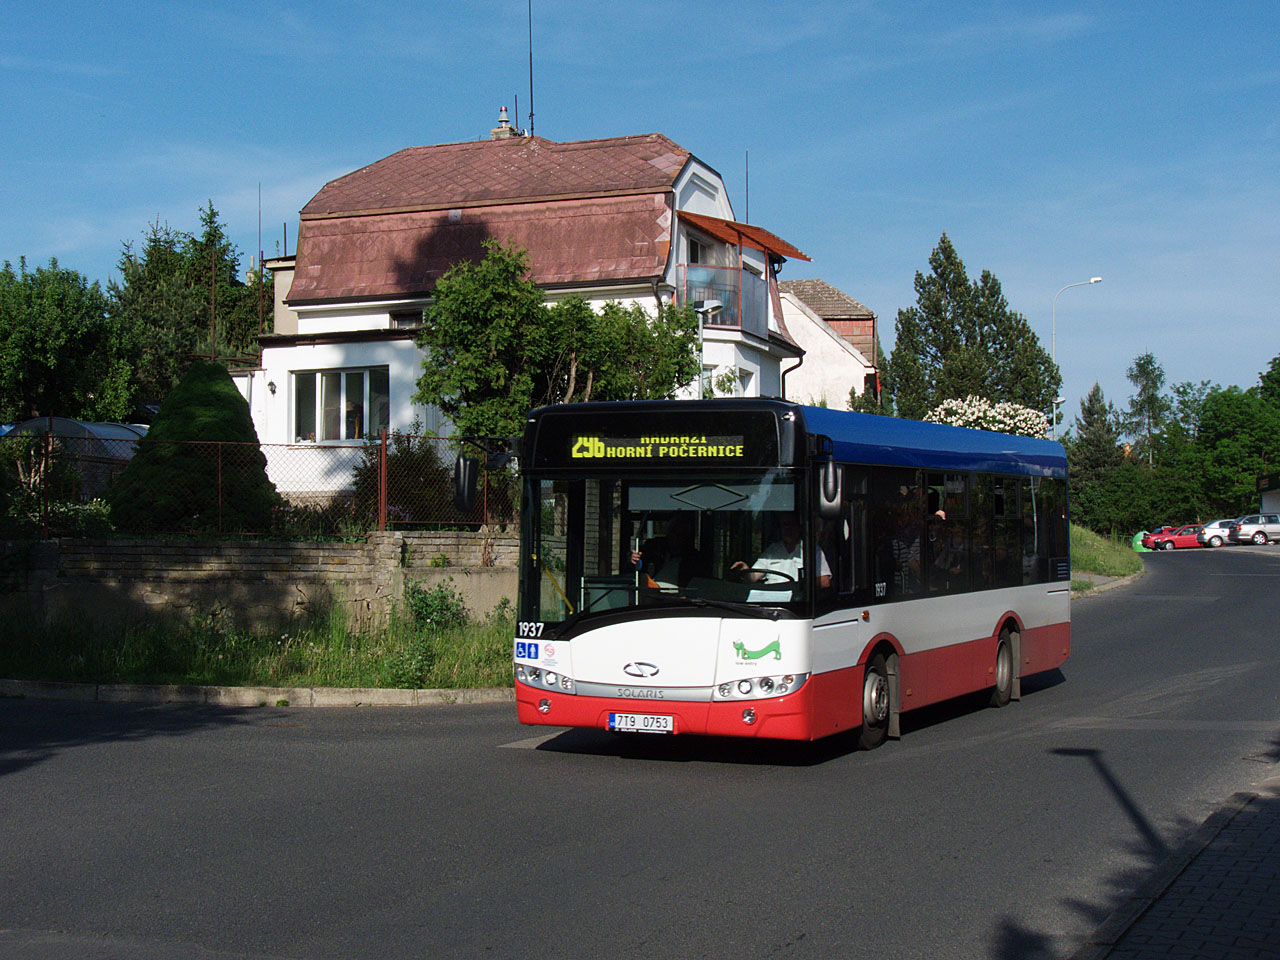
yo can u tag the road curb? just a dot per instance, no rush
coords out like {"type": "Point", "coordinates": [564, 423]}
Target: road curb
{"type": "Point", "coordinates": [1109, 585]}
{"type": "Point", "coordinates": [249, 696]}
{"type": "Point", "coordinates": [1103, 940]}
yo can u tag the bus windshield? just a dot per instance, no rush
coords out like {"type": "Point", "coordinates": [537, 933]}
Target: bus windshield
{"type": "Point", "coordinates": [606, 543]}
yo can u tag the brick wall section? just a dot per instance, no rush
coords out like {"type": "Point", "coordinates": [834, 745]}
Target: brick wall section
{"type": "Point", "coordinates": [256, 583]}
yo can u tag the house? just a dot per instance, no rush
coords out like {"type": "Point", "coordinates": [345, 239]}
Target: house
{"type": "Point", "coordinates": [839, 339]}
{"type": "Point", "coordinates": [636, 219]}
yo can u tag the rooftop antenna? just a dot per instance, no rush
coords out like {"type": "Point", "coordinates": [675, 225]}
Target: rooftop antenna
{"type": "Point", "coordinates": [746, 168]}
{"type": "Point", "coordinates": [530, 68]}
{"type": "Point", "coordinates": [261, 272]}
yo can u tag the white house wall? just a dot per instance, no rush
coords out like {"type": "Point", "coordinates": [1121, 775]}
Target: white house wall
{"type": "Point", "coordinates": [339, 319]}
{"type": "Point", "coordinates": [832, 366]}
{"type": "Point", "coordinates": [699, 189]}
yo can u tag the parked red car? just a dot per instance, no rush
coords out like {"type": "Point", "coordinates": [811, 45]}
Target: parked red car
{"type": "Point", "coordinates": [1171, 537]}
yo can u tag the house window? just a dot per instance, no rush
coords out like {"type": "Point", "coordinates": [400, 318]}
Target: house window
{"type": "Point", "coordinates": [697, 251]}
{"type": "Point", "coordinates": [340, 404]}
{"type": "Point", "coordinates": [403, 319]}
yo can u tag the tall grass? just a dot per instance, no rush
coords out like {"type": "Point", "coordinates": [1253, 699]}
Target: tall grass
{"type": "Point", "coordinates": [208, 649]}
{"type": "Point", "coordinates": [1092, 553]}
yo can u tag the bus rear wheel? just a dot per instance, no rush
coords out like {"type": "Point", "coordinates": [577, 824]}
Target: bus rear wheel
{"type": "Point", "coordinates": [1002, 692]}
{"type": "Point", "coordinates": [875, 704]}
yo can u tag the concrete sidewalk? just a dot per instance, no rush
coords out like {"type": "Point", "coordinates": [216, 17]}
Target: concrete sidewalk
{"type": "Point", "coordinates": [249, 696]}
{"type": "Point", "coordinates": [1215, 898]}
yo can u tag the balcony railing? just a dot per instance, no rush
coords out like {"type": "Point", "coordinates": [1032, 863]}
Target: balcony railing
{"type": "Point", "coordinates": [743, 297]}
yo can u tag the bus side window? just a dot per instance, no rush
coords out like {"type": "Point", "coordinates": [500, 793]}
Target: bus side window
{"type": "Point", "coordinates": [855, 540]}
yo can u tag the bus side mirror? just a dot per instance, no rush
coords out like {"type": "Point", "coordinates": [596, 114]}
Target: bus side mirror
{"type": "Point", "coordinates": [466, 474]}
{"type": "Point", "coordinates": [830, 491]}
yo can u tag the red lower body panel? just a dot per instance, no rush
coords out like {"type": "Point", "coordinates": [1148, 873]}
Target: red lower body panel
{"type": "Point", "coordinates": [783, 718]}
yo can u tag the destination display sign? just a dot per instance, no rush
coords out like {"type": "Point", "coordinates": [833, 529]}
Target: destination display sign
{"type": "Point", "coordinates": [647, 439]}
{"type": "Point", "coordinates": [664, 447]}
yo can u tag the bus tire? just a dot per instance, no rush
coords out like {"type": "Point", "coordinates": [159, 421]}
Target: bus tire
{"type": "Point", "coordinates": [875, 704]}
{"type": "Point", "coordinates": [1002, 692]}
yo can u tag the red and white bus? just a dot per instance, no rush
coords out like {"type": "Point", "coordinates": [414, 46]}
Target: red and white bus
{"type": "Point", "coordinates": [762, 569]}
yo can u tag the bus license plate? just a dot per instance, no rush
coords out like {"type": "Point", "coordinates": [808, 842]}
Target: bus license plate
{"type": "Point", "coordinates": [641, 723]}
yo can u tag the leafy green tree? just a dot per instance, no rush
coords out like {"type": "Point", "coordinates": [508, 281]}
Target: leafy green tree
{"type": "Point", "coordinates": [961, 339]}
{"type": "Point", "coordinates": [1186, 407]}
{"type": "Point", "coordinates": [867, 401]}
{"type": "Point", "coordinates": [200, 467]}
{"type": "Point", "coordinates": [494, 348]}
{"type": "Point", "coordinates": [60, 352]}
{"type": "Point", "coordinates": [1240, 438]}
{"type": "Point", "coordinates": [1149, 408]}
{"type": "Point", "coordinates": [171, 289]}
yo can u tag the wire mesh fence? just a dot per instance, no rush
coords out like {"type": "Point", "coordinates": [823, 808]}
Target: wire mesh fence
{"type": "Point", "coordinates": [61, 486]}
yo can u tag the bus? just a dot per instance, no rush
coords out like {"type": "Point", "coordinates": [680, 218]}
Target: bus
{"type": "Point", "coordinates": [757, 568]}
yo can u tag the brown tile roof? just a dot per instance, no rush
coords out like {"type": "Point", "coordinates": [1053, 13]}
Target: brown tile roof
{"type": "Point", "coordinates": [502, 171]}
{"type": "Point", "coordinates": [404, 254]}
{"type": "Point", "coordinates": [845, 315]}
{"type": "Point", "coordinates": [826, 301]}
{"type": "Point", "coordinates": [592, 211]}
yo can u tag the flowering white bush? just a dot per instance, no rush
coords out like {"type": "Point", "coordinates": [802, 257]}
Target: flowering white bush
{"type": "Point", "coordinates": [981, 414]}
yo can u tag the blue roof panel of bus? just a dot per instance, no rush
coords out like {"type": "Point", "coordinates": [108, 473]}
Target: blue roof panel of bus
{"type": "Point", "coordinates": [866, 438]}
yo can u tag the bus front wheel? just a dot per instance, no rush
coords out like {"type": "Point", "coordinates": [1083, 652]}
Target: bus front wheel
{"type": "Point", "coordinates": [875, 704]}
{"type": "Point", "coordinates": [1003, 690]}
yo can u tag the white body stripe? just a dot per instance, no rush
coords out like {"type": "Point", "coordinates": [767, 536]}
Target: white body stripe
{"type": "Point", "coordinates": [703, 651]}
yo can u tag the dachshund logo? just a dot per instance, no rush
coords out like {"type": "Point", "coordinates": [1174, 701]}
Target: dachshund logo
{"type": "Point", "coordinates": [745, 654]}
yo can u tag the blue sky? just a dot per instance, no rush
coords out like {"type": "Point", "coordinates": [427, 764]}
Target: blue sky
{"type": "Point", "coordinates": [1051, 141]}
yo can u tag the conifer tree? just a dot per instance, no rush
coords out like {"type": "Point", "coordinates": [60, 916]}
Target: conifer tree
{"type": "Point", "coordinates": [961, 339]}
{"type": "Point", "coordinates": [1149, 407]}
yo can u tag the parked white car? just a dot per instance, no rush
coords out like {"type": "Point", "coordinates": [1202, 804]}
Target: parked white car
{"type": "Point", "coordinates": [1217, 533]}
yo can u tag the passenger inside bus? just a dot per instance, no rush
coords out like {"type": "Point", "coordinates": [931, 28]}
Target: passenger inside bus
{"type": "Point", "coordinates": [672, 558]}
{"type": "Point", "coordinates": [784, 556]}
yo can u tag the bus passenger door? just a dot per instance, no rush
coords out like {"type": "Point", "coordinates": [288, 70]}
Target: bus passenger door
{"type": "Point", "coordinates": [839, 633]}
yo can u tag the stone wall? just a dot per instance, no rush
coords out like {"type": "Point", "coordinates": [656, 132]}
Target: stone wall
{"type": "Point", "coordinates": [257, 584]}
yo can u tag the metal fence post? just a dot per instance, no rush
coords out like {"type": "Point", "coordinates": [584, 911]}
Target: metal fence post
{"type": "Point", "coordinates": [46, 481]}
{"type": "Point", "coordinates": [382, 483]}
{"type": "Point", "coordinates": [219, 486]}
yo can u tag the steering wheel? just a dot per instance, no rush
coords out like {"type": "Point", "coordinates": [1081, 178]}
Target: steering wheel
{"type": "Point", "coordinates": [785, 577]}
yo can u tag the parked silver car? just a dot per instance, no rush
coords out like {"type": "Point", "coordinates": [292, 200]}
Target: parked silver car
{"type": "Point", "coordinates": [1256, 528]}
{"type": "Point", "coordinates": [1215, 534]}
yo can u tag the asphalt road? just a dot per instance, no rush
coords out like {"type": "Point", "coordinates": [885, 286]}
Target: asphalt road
{"type": "Point", "coordinates": [178, 832]}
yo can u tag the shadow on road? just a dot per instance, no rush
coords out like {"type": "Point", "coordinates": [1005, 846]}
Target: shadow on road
{"type": "Point", "coordinates": [33, 731]}
{"type": "Point", "coordinates": [1012, 940]}
{"type": "Point", "coordinates": [776, 753]}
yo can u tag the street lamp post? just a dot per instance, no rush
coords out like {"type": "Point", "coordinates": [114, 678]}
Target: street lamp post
{"type": "Point", "coordinates": [1053, 344]}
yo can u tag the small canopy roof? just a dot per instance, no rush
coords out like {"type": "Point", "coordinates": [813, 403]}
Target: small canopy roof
{"type": "Point", "coordinates": [743, 234]}
{"type": "Point", "coordinates": [66, 427]}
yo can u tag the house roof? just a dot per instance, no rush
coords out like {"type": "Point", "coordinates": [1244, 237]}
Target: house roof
{"type": "Point", "coordinates": [518, 169]}
{"type": "Point", "coordinates": [744, 234]}
{"type": "Point", "coordinates": [592, 211]}
{"type": "Point", "coordinates": [604, 240]}
{"type": "Point", "coordinates": [848, 318]}
{"type": "Point", "coordinates": [826, 301]}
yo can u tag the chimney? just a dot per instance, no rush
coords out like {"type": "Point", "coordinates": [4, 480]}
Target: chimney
{"type": "Point", "coordinates": [504, 130]}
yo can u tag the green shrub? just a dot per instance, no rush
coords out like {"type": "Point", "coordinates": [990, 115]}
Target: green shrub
{"type": "Point", "coordinates": [410, 667]}
{"type": "Point", "coordinates": [181, 479]}
{"type": "Point", "coordinates": [439, 607]}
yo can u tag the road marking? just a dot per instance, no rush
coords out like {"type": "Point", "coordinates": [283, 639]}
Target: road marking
{"type": "Point", "coordinates": [1135, 723]}
{"type": "Point", "coordinates": [531, 744]}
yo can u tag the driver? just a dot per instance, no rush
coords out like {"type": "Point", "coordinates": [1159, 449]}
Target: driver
{"type": "Point", "coordinates": [785, 556]}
